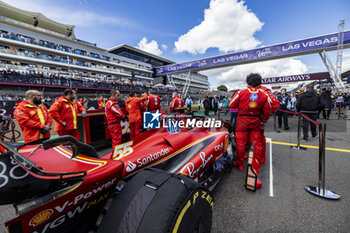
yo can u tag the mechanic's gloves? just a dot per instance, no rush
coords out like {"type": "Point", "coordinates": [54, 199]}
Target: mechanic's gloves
{"type": "Point", "coordinates": [64, 124]}
{"type": "Point", "coordinates": [46, 129]}
{"type": "Point", "coordinates": [83, 114]}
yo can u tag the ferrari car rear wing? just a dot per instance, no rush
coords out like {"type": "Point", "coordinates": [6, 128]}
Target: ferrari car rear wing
{"type": "Point", "coordinates": [37, 171]}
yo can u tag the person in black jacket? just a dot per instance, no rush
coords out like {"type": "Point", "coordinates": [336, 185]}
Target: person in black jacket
{"type": "Point", "coordinates": [285, 101]}
{"type": "Point", "coordinates": [309, 104]}
{"type": "Point", "coordinates": [326, 101]}
{"type": "Point", "coordinates": [215, 104]}
{"type": "Point", "coordinates": [206, 105]}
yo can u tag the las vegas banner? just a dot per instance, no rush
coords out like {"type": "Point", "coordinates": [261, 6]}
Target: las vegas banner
{"type": "Point", "coordinates": [289, 49]}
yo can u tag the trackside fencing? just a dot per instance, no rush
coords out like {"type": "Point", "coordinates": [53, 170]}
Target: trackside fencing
{"type": "Point", "coordinates": [319, 190]}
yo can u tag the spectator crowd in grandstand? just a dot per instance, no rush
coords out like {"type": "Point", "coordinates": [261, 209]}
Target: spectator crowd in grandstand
{"type": "Point", "coordinates": [32, 77]}
{"type": "Point", "coordinates": [47, 44]}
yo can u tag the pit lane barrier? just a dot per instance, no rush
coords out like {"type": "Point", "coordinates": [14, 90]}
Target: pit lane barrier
{"type": "Point", "coordinates": [297, 147]}
{"type": "Point", "coordinates": [319, 190]}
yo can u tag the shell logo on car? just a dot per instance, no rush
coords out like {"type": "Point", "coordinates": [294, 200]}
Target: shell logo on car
{"type": "Point", "coordinates": [40, 217]}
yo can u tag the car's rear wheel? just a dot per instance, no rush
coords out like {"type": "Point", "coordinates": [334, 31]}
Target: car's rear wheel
{"type": "Point", "coordinates": [156, 202]}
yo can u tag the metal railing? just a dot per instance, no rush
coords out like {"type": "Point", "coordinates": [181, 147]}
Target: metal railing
{"type": "Point", "coordinates": [319, 190]}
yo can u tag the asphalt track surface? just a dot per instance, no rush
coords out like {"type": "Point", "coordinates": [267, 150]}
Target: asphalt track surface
{"type": "Point", "coordinates": [291, 209]}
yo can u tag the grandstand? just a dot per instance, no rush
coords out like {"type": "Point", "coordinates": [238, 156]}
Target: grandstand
{"type": "Point", "coordinates": [198, 81]}
{"type": "Point", "coordinates": [37, 51]}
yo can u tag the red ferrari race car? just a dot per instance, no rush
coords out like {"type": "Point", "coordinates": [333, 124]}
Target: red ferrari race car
{"type": "Point", "coordinates": [63, 185]}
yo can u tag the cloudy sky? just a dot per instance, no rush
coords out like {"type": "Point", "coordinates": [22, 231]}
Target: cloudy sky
{"type": "Point", "coordinates": [183, 30]}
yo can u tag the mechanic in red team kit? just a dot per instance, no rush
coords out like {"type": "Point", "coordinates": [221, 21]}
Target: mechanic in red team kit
{"type": "Point", "coordinates": [254, 110]}
{"type": "Point", "coordinates": [113, 116]}
{"type": "Point", "coordinates": [64, 111]}
{"type": "Point", "coordinates": [153, 102]}
{"type": "Point", "coordinates": [176, 103]}
{"type": "Point", "coordinates": [132, 105]}
{"type": "Point", "coordinates": [33, 117]}
{"type": "Point", "coordinates": [101, 102]}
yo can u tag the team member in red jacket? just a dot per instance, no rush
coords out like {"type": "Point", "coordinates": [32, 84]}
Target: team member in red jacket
{"type": "Point", "coordinates": [274, 106]}
{"type": "Point", "coordinates": [143, 106]}
{"type": "Point", "coordinates": [132, 105]}
{"type": "Point", "coordinates": [64, 111]}
{"type": "Point", "coordinates": [153, 102]}
{"type": "Point", "coordinates": [253, 112]}
{"type": "Point", "coordinates": [114, 115]}
{"type": "Point", "coordinates": [181, 103]}
{"type": "Point", "coordinates": [33, 118]}
{"type": "Point", "coordinates": [101, 102]}
{"type": "Point", "coordinates": [176, 103]}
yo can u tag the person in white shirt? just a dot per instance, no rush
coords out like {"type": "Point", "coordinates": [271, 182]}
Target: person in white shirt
{"type": "Point", "coordinates": [188, 103]}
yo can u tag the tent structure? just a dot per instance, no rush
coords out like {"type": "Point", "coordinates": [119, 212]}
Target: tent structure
{"type": "Point", "coordinates": [36, 19]}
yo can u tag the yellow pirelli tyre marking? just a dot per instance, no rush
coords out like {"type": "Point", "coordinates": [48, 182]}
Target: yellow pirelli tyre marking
{"type": "Point", "coordinates": [179, 219]}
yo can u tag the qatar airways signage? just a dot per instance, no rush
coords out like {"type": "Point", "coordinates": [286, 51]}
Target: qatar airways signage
{"type": "Point", "coordinates": [305, 46]}
{"type": "Point", "coordinates": [296, 78]}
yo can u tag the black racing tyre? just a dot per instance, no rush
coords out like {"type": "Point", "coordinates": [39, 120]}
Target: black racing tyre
{"type": "Point", "coordinates": [158, 202]}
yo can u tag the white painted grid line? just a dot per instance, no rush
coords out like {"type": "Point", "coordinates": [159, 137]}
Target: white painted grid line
{"type": "Point", "coordinates": [271, 173]}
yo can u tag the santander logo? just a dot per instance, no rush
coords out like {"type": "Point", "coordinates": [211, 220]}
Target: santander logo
{"type": "Point", "coordinates": [131, 166]}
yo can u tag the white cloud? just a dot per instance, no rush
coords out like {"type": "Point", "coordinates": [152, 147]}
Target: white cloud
{"type": "Point", "coordinates": [164, 47]}
{"type": "Point", "coordinates": [235, 77]}
{"type": "Point", "coordinates": [228, 25]}
{"type": "Point", "coordinates": [67, 15]}
{"type": "Point", "coordinates": [150, 47]}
